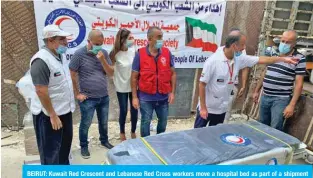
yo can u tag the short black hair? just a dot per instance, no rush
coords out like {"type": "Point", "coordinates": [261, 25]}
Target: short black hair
{"type": "Point", "coordinates": [150, 30]}
{"type": "Point", "coordinates": [231, 39]}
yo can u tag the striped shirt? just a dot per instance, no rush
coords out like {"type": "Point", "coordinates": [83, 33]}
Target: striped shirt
{"type": "Point", "coordinates": [280, 77]}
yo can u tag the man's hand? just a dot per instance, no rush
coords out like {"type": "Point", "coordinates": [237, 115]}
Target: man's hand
{"type": "Point", "coordinates": [291, 60]}
{"type": "Point", "coordinates": [81, 97]}
{"type": "Point", "coordinates": [255, 97]}
{"type": "Point", "coordinates": [109, 70]}
{"type": "Point", "coordinates": [288, 112]}
{"type": "Point", "coordinates": [136, 103]}
{"type": "Point", "coordinates": [55, 122]}
{"type": "Point", "coordinates": [241, 91]}
{"type": "Point", "coordinates": [171, 98]}
{"type": "Point", "coordinates": [101, 56]}
{"type": "Point", "coordinates": [204, 113]}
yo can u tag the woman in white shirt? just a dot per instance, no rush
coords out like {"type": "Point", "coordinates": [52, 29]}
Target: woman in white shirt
{"type": "Point", "coordinates": [122, 56]}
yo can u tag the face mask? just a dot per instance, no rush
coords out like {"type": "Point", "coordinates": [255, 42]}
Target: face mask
{"type": "Point", "coordinates": [129, 43]}
{"type": "Point", "coordinates": [284, 48]}
{"type": "Point", "coordinates": [238, 53]}
{"type": "Point", "coordinates": [158, 44]}
{"type": "Point", "coordinates": [61, 49]}
{"type": "Point", "coordinates": [95, 49]}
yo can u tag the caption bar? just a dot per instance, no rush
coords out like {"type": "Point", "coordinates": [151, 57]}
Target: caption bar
{"type": "Point", "coordinates": [293, 171]}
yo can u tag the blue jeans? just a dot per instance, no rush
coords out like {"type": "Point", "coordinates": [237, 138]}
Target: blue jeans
{"type": "Point", "coordinates": [87, 109]}
{"type": "Point", "coordinates": [123, 102]}
{"type": "Point", "coordinates": [271, 111]}
{"type": "Point", "coordinates": [146, 109]}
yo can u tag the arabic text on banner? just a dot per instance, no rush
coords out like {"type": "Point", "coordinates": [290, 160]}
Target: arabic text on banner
{"type": "Point", "coordinates": [192, 30]}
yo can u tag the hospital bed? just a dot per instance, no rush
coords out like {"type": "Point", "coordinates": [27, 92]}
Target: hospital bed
{"type": "Point", "coordinates": [237, 143]}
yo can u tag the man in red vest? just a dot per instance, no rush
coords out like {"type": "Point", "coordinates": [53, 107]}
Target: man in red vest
{"type": "Point", "coordinates": [153, 81]}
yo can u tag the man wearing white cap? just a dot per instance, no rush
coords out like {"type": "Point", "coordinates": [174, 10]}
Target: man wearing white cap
{"type": "Point", "coordinates": [54, 103]}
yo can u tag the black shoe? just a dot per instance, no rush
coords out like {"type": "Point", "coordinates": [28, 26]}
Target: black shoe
{"type": "Point", "coordinates": [107, 145]}
{"type": "Point", "coordinates": [85, 152]}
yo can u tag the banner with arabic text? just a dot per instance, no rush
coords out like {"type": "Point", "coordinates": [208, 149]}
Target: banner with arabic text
{"type": "Point", "coordinates": [192, 30]}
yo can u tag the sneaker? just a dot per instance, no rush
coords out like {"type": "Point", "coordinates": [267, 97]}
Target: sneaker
{"type": "Point", "coordinates": [85, 152]}
{"type": "Point", "coordinates": [107, 145]}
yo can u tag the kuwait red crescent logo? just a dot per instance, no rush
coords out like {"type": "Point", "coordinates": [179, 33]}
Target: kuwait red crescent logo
{"type": "Point", "coordinates": [58, 16]}
{"type": "Point", "coordinates": [234, 139]}
{"type": "Point", "coordinates": [58, 23]}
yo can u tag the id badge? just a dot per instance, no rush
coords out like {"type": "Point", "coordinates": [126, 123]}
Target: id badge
{"type": "Point", "coordinates": [230, 88]}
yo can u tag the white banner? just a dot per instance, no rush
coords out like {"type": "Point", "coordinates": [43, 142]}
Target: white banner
{"type": "Point", "coordinates": [192, 30]}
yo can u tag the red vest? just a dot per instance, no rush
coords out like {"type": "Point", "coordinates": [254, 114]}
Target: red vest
{"type": "Point", "coordinates": [155, 75]}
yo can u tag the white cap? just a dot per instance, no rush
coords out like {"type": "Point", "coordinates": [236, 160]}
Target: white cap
{"type": "Point", "coordinates": [53, 30]}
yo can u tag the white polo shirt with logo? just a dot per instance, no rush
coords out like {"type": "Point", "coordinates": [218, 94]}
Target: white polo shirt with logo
{"type": "Point", "coordinates": [219, 83]}
{"type": "Point", "coordinates": [243, 53]}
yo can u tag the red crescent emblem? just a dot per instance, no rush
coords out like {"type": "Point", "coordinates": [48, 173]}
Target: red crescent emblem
{"type": "Point", "coordinates": [240, 140]}
{"type": "Point", "coordinates": [59, 21]}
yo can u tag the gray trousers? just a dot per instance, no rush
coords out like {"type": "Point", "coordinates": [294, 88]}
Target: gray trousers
{"type": "Point", "coordinates": [230, 105]}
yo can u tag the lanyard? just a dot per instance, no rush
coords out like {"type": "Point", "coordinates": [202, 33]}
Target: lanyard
{"type": "Point", "coordinates": [230, 73]}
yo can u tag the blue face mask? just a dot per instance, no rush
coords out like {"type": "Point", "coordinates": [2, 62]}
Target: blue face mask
{"type": "Point", "coordinates": [284, 48]}
{"type": "Point", "coordinates": [129, 43]}
{"type": "Point", "coordinates": [95, 49]}
{"type": "Point", "coordinates": [238, 53]}
{"type": "Point", "coordinates": [61, 49]}
{"type": "Point", "coordinates": [158, 44]}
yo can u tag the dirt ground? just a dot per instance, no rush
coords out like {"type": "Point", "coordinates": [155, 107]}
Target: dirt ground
{"type": "Point", "coordinates": [12, 157]}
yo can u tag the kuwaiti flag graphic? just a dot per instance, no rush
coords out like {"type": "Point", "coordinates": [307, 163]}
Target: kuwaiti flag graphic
{"type": "Point", "coordinates": [200, 34]}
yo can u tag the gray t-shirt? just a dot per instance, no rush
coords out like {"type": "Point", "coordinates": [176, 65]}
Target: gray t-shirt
{"type": "Point", "coordinates": [92, 77]}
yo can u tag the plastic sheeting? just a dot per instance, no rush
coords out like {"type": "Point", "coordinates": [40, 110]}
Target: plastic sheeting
{"type": "Point", "coordinates": [210, 145]}
{"type": "Point", "coordinates": [272, 157]}
{"type": "Point", "coordinates": [26, 88]}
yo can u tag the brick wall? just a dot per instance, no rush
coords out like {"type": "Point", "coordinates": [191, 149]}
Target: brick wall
{"type": "Point", "coordinates": [19, 43]}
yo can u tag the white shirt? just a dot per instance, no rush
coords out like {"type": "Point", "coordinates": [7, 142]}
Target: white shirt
{"type": "Point", "coordinates": [216, 75]}
{"type": "Point", "coordinates": [243, 53]}
{"type": "Point", "coordinates": [123, 69]}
